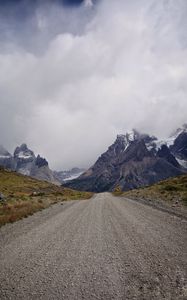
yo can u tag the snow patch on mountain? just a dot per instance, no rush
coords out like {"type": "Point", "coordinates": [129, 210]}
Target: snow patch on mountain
{"type": "Point", "coordinates": [64, 176]}
{"type": "Point", "coordinates": [4, 156]}
{"type": "Point", "coordinates": [24, 155]}
{"type": "Point", "coordinates": [182, 162]}
{"type": "Point", "coordinates": [73, 177]}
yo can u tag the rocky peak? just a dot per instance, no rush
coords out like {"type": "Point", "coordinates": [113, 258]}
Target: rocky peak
{"type": "Point", "coordinates": [41, 162]}
{"type": "Point", "coordinates": [165, 153]}
{"type": "Point", "coordinates": [119, 145]}
{"type": "Point", "coordinates": [136, 151]}
{"type": "Point", "coordinates": [172, 138]}
{"type": "Point", "coordinates": [177, 132]}
{"type": "Point", "coordinates": [22, 152]}
{"type": "Point", "coordinates": [123, 141]}
{"type": "Point", "coordinates": [179, 147]}
{"type": "Point", "coordinates": [134, 135]}
{"type": "Point", "coordinates": [6, 159]}
{"type": "Point", "coordinates": [128, 137]}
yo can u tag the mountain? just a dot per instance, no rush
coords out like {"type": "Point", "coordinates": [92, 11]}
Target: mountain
{"type": "Point", "coordinates": [25, 162]}
{"type": "Point", "coordinates": [64, 176]}
{"type": "Point", "coordinates": [6, 159]}
{"type": "Point", "coordinates": [135, 160]}
{"type": "Point", "coordinates": [179, 146]}
{"type": "Point", "coordinates": [24, 159]}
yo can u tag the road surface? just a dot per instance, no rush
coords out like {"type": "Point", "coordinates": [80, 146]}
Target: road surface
{"type": "Point", "coordinates": [103, 248]}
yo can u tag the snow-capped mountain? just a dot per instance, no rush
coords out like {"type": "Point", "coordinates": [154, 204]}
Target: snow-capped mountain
{"type": "Point", "coordinates": [24, 159]}
{"type": "Point", "coordinates": [135, 160]}
{"type": "Point", "coordinates": [176, 142]}
{"type": "Point", "coordinates": [64, 176]}
{"type": "Point", "coordinates": [25, 162]}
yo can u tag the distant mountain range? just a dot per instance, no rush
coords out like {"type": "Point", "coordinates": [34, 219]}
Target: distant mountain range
{"type": "Point", "coordinates": [133, 160]}
{"type": "Point", "coordinates": [24, 161]}
{"type": "Point", "coordinates": [136, 160]}
{"type": "Point", "coordinates": [64, 176]}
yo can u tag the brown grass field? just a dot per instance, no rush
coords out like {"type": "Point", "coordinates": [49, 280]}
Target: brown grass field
{"type": "Point", "coordinates": [25, 195]}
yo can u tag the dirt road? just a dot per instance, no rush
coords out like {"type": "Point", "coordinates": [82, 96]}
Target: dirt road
{"type": "Point", "coordinates": [103, 248]}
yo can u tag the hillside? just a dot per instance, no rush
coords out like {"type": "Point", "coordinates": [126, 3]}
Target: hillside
{"type": "Point", "coordinates": [24, 195]}
{"type": "Point", "coordinates": [170, 193]}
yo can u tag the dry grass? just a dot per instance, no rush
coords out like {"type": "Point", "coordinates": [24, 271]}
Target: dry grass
{"type": "Point", "coordinates": [25, 195]}
{"type": "Point", "coordinates": [173, 191]}
{"type": "Point", "coordinates": [117, 191]}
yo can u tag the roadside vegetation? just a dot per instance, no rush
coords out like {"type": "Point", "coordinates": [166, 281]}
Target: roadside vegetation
{"type": "Point", "coordinates": [117, 191]}
{"type": "Point", "coordinates": [173, 191]}
{"type": "Point", "coordinates": [21, 195]}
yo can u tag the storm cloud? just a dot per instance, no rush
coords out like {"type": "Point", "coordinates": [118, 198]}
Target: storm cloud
{"type": "Point", "coordinates": [71, 78]}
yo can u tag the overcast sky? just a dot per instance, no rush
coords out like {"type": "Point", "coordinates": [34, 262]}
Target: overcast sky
{"type": "Point", "coordinates": [72, 77]}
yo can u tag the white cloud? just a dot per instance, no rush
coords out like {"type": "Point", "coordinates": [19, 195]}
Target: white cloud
{"type": "Point", "coordinates": [125, 68]}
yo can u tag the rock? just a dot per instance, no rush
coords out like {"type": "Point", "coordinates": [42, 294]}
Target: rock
{"type": "Point", "coordinates": [40, 161]}
{"type": "Point", "coordinates": [164, 152]}
{"type": "Point", "coordinates": [179, 148]}
{"type": "Point", "coordinates": [2, 197]}
{"type": "Point", "coordinates": [34, 194]}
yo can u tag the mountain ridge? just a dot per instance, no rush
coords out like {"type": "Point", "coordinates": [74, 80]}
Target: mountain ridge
{"type": "Point", "coordinates": [24, 161]}
{"type": "Point", "coordinates": [135, 160]}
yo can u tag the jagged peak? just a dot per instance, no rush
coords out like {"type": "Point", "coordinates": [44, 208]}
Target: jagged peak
{"type": "Point", "coordinates": [41, 162]}
{"type": "Point", "coordinates": [22, 147]}
{"type": "Point", "coordinates": [171, 139]}
{"type": "Point", "coordinates": [179, 130]}
{"type": "Point", "coordinates": [135, 135]}
{"type": "Point", "coordinates": [23, 151]}
{"type": "Point", "coordinates": [129, 136]}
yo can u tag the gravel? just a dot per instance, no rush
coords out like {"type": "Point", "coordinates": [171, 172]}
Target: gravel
{"type": "Point", "coordinates": [103, 248]}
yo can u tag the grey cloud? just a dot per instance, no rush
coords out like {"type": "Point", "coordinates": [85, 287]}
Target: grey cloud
{"type": "Point", "coordinates": [119, 66]}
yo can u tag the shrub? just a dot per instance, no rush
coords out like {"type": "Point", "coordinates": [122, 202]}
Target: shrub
{"type": "Point", "coordinates": [170, 188]}
{"type": "Point", "coordinates": [118, 190]}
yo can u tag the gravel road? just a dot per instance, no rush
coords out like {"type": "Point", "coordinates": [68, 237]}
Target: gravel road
{"type": "Point", "coordinates": [103, 248]}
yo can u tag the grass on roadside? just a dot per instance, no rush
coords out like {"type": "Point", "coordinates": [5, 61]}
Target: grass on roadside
{"type": "Point", "coordinates": [172, 190]}
{"type": "Point", "coordinates": [25, 195]}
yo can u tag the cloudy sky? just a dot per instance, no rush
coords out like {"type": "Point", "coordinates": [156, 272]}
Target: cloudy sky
{"type": "Point", "coordinates": [73, 75]}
